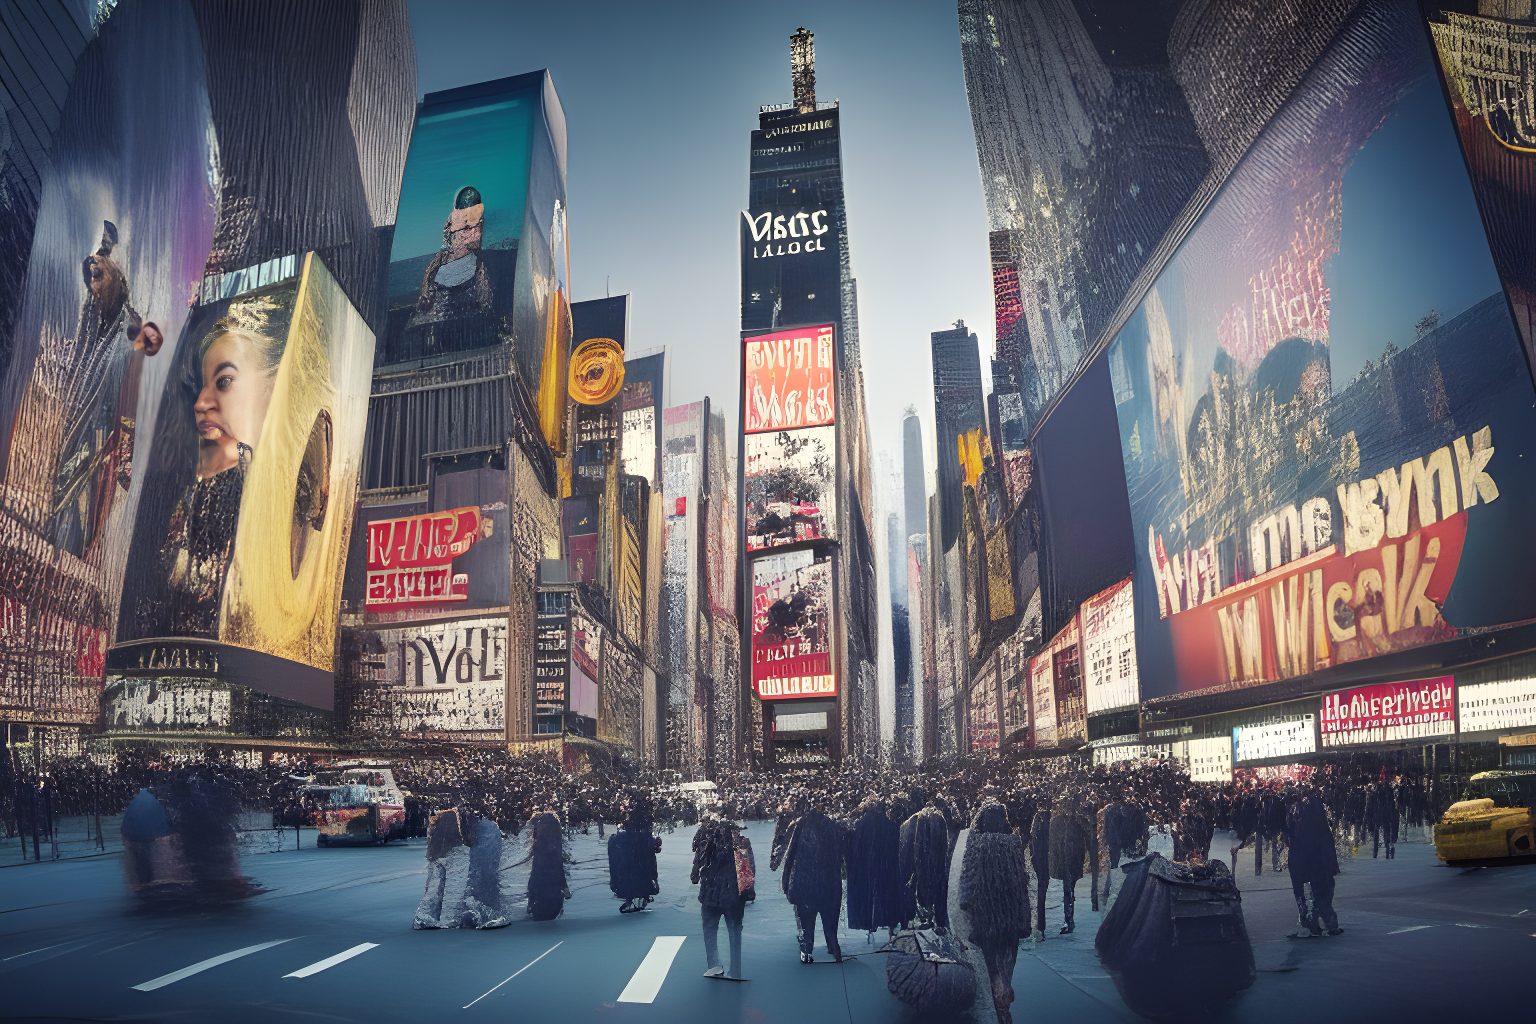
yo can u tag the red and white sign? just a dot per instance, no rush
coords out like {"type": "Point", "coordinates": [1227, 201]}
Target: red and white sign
{"type": "Point", "coordinates": [789, 379]}
{"type": "Point", "coordinates": [425, 585]}
{"type": "Point", "coordinates": [417, 541]}
{"type": "Point", "coordinates": [1389, 711]}
{"type": "Point", "coordinates": [410, 560]}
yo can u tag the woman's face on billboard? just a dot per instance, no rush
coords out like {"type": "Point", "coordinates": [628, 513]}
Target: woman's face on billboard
{"type": "Point", "coordinates": [232, 405]}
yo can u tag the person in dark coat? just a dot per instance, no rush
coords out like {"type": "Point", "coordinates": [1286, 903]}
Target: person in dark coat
{"type": "Point", "coordinates": [632, 854]}
{"type": "Point", "coordinates": [1087, 811]}
{"type": "Point", "coordinates": [1068, 851]}
{"type": "Point", "coordinates": [874, 879]}
{"type": "Point", "coordinates": [813, 877]}
{"type": "Point", "coordinates": [994, 896]}
{"type": "Point", "coordinates": [1192, 834]}
{"type": "Point", "coordinates": [1272, 825]}
{"type": "Point", "coordinates": [715, 854]}
{"type": "Point", "coordinates": [924, 868]}
{"type": "Point", "coordinates": [547, 888]}
{"type": "Point", "coordinates": [1383, 816]}
{"type": "Point", "coordinates": [1121, 828]}
{"type": "Point", "coordinates": [789, 813]}
{"type": "Point", "coordinates": [1246, 823]}
{"type": "Point", "coordinates": [1313, 863]}
{"type": "Point", "coordinates": [1040, 858]}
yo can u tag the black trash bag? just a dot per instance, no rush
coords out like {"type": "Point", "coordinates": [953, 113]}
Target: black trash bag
{"type": "Point", "coordinates": [1175, 942]}
{"type": "Point", "coordinates": [928, 971]}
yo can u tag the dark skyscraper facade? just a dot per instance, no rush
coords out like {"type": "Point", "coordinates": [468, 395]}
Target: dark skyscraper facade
{"type": "Point", "coordinates": [797, 294]}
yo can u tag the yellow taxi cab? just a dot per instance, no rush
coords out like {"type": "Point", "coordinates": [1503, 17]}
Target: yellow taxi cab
{"type": "Point", "coordinates": [1492, 822]}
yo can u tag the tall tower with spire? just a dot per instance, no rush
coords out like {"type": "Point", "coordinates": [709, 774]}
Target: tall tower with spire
{"type": "Point", "coordinates": [797, 288]}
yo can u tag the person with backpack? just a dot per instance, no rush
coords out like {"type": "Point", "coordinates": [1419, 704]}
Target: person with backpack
{"type": "Point", "coordinates": [724, 870]}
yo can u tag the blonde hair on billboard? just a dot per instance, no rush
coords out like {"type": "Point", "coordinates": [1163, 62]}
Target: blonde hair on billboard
{"type": "Point", "coordinates": [271, 605]}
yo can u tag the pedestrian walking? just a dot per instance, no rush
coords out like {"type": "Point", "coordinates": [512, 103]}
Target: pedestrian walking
{"type": "Point", "coordinates": [1122, 826]}
{"type": "Point", "coordinates": [1040, 859]}
{"type": "Point", "coordinates": [813, 877]}
{"type": "Point", "coordinates": [723, 869]}
{"type": "Point", "coordinates": [1314, 862]}
{"type": "Point", "coordinates": [1382, 815]}
{"type": "Point", "coordinates": [873, 863]}
{"type": "Point", "coordinates": [924, 868]}
{"type": "Point", "coordinates": [994, 898]}
{"type": "Point", "coordinates": [632, 851]}
{"type": "Point", "coordinates": [1068, 851]}
{"type": "Point", "coordinates": [547, 888]}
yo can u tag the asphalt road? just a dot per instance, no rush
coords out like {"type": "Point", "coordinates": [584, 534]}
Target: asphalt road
{"type": "Point", "coordinates": [1422, 942]}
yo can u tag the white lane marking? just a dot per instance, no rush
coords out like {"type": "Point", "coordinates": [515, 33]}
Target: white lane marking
{"type": "Point", "coordinates": [332, 961]}
{"type": "Point", "coordinates": [29, 952]}
{"type": "Point", "coordinates": [515, 973]}
{"type": "Point", "coordinates": [1415, 928]}
{"type": "Point", "coordinates": [203, 965]}
{"type": "Point", "coordinates": [646, 983]}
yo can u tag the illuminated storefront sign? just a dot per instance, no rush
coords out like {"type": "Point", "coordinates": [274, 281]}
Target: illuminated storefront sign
{"type": "Point", "coordinates": [1276, 739]}
{"type": "Point", "coordinates": [1389, 711]}
{"type": "Point", "coordinates": [1509, 704]}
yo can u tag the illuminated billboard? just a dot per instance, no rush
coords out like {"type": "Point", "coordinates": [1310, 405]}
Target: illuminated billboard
{"type": "Point", "coordinates": [480, 258]}
{"type": "Point", "coordinates": [791, 491]}
{"type": "Point", "coordinates": [1323, 410]}
{"type": "Point", "coordinates": [790, 379]}
{"type": "Point", "coordinates": [239, 537]}
{"type": "Point", "coordinates": [792, 626]}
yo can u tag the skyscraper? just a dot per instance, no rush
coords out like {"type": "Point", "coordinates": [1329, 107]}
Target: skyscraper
{"type": "Point", "coordinates": [807, 494]}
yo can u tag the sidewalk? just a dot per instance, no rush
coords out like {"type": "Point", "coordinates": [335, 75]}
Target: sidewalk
{"type": "Point", "coordinates": [77, 838]}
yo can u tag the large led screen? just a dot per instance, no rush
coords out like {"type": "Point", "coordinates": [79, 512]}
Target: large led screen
{"type": "Point", "coordinates": [792, 626]}
{"type": "Point", "coordinates": [791, 487]}
{"type": "Point", "coordinates": [1322, 401]}
{"type": "Point", "coordinates": [789, 379]}
{"type": "Point", "coordinates": [248, 500]}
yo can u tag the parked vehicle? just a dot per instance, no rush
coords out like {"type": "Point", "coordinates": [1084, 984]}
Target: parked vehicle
{"type": "Point", "coordinates": [1495, 820]}
{"type": "Point", "coordinates": [356, 803]}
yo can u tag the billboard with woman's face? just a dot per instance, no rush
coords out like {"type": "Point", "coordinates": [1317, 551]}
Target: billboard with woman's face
{"type": "Point", "coordinates": [240, 536]}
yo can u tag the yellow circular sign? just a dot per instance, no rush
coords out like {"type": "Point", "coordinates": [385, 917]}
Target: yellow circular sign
{"type": "Point", "coordinates": [597, 371]}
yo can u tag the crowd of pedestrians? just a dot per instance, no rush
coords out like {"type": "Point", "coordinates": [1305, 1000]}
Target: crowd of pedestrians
{"type": "Point", "coordinates": [979, 840]}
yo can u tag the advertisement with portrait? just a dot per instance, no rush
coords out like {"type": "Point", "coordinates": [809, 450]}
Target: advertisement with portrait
{"type": "Point", "coordinates": [249, 492]}
{"type": "Point", "coordinates": [480, 258]}
{"type": "Point", "coordinates": [93, 304]}
{"type": "Point", "coordinates": [791, 486]}
{"type": "Point", "coordinates": [444, 678]}
{"type": "Point", "coordinates": [790, 379]}
{"type": "Point", "coordinates": [1108, 621]}
{"type": "Point", "coordinates": [1387, 712]}
{"type": "Point", "coordinates": [792, 626]}
{"type": "Point", "coordinates": [1323, 413]}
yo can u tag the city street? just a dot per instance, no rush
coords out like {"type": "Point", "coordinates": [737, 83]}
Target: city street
{"type": "Point", "coordinates": [1422, 941]}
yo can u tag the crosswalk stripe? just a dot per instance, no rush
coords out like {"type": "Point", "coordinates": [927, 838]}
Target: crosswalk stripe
{"type": "Point", "coordinates": [332, 961]}
{"type": "Point", "coordinates": [203, 965]}
{"type": "Point", "coordinates": [642, 988]}
{"type": "Point", "coordinates": [515, 973]}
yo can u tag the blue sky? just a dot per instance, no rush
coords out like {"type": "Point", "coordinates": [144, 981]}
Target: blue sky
{"type": "Point", "coordinates": [661, 99]}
